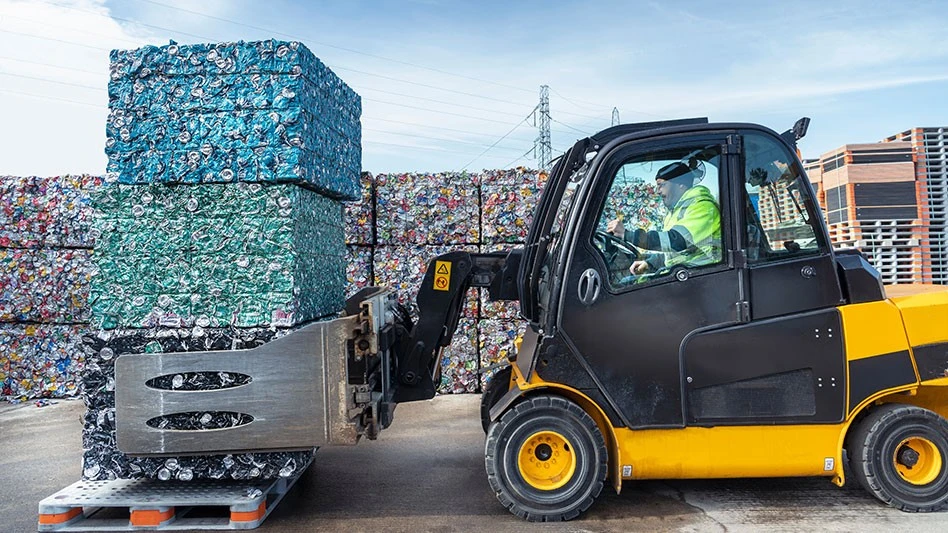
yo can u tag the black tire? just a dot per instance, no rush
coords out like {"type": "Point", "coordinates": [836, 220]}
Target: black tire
{"type": "Point", "coordinates": [884, 442]}
{"type": "Point", "coordinates": [518, 437]}
{"type": "Point", "coordinates": [498, 385]}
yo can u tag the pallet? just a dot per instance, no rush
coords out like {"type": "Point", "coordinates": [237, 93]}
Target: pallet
{"type": "Point", "coordinates": [148, 504]}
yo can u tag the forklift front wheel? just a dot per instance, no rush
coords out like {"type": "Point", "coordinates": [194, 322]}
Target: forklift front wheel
{"type": "Point", "coordinates": [546, 459]}
{"type": "Point", "coordinates": [899, 453]}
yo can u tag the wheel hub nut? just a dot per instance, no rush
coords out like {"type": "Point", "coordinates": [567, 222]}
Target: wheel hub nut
{"type": "Point", "coordinates": [908, 457]}
{"type": "Point", "coordinates": [544, 452]}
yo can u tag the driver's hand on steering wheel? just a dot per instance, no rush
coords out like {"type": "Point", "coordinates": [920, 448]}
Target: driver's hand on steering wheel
{"type": "Point", "coordinates": [638, 268]}
{"type": "Point", "coordinates": [616, 228]}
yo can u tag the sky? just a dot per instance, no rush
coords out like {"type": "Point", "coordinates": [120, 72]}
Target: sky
{"type": "Point", "coordinates": [451, 85]}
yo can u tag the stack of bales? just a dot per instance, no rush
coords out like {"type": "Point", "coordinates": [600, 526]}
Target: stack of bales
{"type": "Point", "coordinates": [508, 200]}
{"type": "Point", "coordinates": [360, 237]}
{"type": "Point", "coordinates": [421, 216]}
{"type": "Point", "coordinates": [45, 267]}
{"type": "Point", "coordinates": [418, 217]}
{"type": "Point", "coordinates": [221, 223]}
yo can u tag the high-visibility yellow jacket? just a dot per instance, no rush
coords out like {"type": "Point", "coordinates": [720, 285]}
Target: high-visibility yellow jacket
{"type": "Point", "coordinates": [690, 235]}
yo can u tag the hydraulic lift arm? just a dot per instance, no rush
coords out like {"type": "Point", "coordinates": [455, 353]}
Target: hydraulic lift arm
{"type": "Point", "coordinates": [441, 299]}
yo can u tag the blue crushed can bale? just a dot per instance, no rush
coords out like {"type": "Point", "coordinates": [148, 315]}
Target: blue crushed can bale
{"type": "Point", "coordinates": [265, 111]}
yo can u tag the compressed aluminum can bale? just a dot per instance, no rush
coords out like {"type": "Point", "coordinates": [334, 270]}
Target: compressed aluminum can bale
{"type": "Point", "coordinates": [265, 111]}
{"type": "Point", "coordinates": [496, 343]}
{"type": "Point", "coordinates": [101, 458]}
{"type": "Point", "coordinates": [636, 202]}
{"type": "Point", "coordinates": [40, 360]}
{"type": "Point", "coordinates": [49, 285]}
{"type": "Point", "coordinates": [51, 211]}
{"type": "Point", "coordinates": [427, 208]}
{"type": "Point", "coordinates": [508, 201]}
{"type": "Point", "coordinates": [360, 215]}
{"type": "Point", "coordinates": [459, 362]}
{"type": "Point", "coordinates": [358, 268]}
{"type": "Point", "coordinates": [216, 255]}
{"type": "Point", "coordinates": [403, 269]}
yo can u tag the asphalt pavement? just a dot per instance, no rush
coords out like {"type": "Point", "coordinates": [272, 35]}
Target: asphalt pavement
{"type": "Point", "coordinates": [426, 473]}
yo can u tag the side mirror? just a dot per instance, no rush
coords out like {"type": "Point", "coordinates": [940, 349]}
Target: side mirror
{"type": "Point", "coordinates": [797, 132]}
{"type": "Point", "coordinates": [800, 127]}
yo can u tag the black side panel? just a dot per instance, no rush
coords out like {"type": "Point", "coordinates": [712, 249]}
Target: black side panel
{"type": "Point", "coordinates": [873, 374]}
{"type": "Point", "coordinates": [790, 394]}
{"type": "Point", "coordinates": [771, 357]}
{"type": "Point", "coordinates": [931, 360]}
{"type": "Point", "coordinates": [556, 363]}
{"type": "Point", "coordinates": [794, 286]}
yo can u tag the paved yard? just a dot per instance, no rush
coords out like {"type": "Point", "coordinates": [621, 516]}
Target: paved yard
{"type": "Point", "coordinates": [426, 473]}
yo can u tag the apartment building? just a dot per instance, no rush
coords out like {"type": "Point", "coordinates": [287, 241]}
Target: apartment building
{"type": "Point", "coordinates": [890, 200]}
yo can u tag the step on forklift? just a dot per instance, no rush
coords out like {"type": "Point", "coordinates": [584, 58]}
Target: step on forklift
{"type": "Point", "coordinates": [657, 347]}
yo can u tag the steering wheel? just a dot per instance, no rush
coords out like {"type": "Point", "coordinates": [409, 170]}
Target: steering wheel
{"type": "Point", "coordinates": [612, 244]}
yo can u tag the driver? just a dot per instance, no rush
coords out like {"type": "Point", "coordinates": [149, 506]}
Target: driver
{"type": "Point", "coordinates": [691, 232]}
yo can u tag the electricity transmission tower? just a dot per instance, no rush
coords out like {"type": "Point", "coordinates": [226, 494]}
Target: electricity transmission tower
{"type": "Point", "coordinates": [543, 146]}
{"type": "Point", "coordinates": [615, 116]}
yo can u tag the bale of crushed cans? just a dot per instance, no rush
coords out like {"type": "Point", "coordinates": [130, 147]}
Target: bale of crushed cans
{"type": "Point", "coordinates": [360, 214]}
{"type": "Point", "coordinates": [102, 460]}
{"type": "Point", "coordinates": [496, 340]}
{"type": "Point", "coordinates": [220, 227]}
{"type": "Point", "coordinates": [45, 268]}
{"type": "Point", "coordinates": [434, 209]}
{"type": "Point", "coordinates": [264, 111]}
{"type": "Point", "coordinates": [40, 360]}
{"type": "Point", "coordinates": [216, 255]}
{"type": "Point", "coordinates": [508, 200]}
{"type": "Point", "coordinates": [49, 212]}
{"type": "Point", "coordinates": [459, 364]}
{"type": "Point", "coordinates": [359, 272]}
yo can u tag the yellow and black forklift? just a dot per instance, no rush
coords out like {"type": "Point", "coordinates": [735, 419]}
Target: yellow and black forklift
{"type": "Point", "coordinates": [765, 353]}
{"type": "Point", "coordinates": [775, 355]}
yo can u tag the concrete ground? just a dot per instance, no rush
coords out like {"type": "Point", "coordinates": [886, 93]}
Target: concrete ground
{"type": "Point", "coordinates": [426, 473]}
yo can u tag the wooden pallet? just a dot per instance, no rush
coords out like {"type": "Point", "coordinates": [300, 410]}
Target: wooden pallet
{"type": "Point", "coordinates": [147, 504]}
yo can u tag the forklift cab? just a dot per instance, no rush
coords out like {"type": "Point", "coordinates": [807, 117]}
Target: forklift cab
{"type": "Point", "coordinates": [721, 335]}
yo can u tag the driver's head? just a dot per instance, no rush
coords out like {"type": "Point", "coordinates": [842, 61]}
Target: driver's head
{"type": "Point", "coordinates": [673, 180]}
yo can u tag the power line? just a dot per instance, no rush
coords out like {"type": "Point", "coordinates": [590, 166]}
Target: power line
{"type": "Point", "coordinates": [428, 148]}
{"type": "Point", "coordinates": [572, 102]}
{"type": "Point", "coordinates": [30, 62]}
{"type": "Point", "coordinates": [70, 28]}
{"type": "Point", "coordinates": [525, 154]}
{"type": "Point", "coordinates": [432, 127]}
{"type": "Point", "coordinates": [133, 21]}
{"type": "Point", "coordinates": [398, 61]}
{"type": "Point", "coordinates": [436, 138]}
{"type": "Point", "coordinates": [443, 102]}
{"type": "Point", "coordinates": [440, 112]}
{"type": "Point", "coordinates": [570, 127]}
{"type": "Point", "coordinates": [24, 76]}
{"type": "Point", "coordinates": [53, 39]}
{"type": "Point", "coordinates": [41, 97]}
{"type": "Point", "coordinates": [498, 140]}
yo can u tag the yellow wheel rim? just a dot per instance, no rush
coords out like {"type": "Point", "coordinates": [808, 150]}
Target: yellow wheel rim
{"type": "Point", "coordinates": [917, 460]}
{"type": "Point", "coordinates": [546, 460]}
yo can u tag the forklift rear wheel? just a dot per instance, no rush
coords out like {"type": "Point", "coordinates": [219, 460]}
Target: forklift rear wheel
{"type": "Point", "coordinates": [496, 388]}
{"type": "Point", "coordinates": [546, 459]}
{"type": "Point", "coordinates": [899, 453]}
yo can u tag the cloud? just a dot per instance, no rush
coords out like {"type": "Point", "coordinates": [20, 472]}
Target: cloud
{"type": "Point", "coordinates": [54, 69]}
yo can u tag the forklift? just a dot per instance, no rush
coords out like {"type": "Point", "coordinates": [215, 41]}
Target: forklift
{"type": "Point", "coordinates": [765, 353]}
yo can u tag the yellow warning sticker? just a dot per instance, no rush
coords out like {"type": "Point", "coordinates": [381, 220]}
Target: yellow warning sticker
{"type": "Point", "coordinates": [442, 279]}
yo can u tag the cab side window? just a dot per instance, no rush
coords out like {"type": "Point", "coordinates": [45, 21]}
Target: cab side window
{"type": "Point", "coordinates": [779, 223]}
{"type": "Point", "coordinates": [662, 213]}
